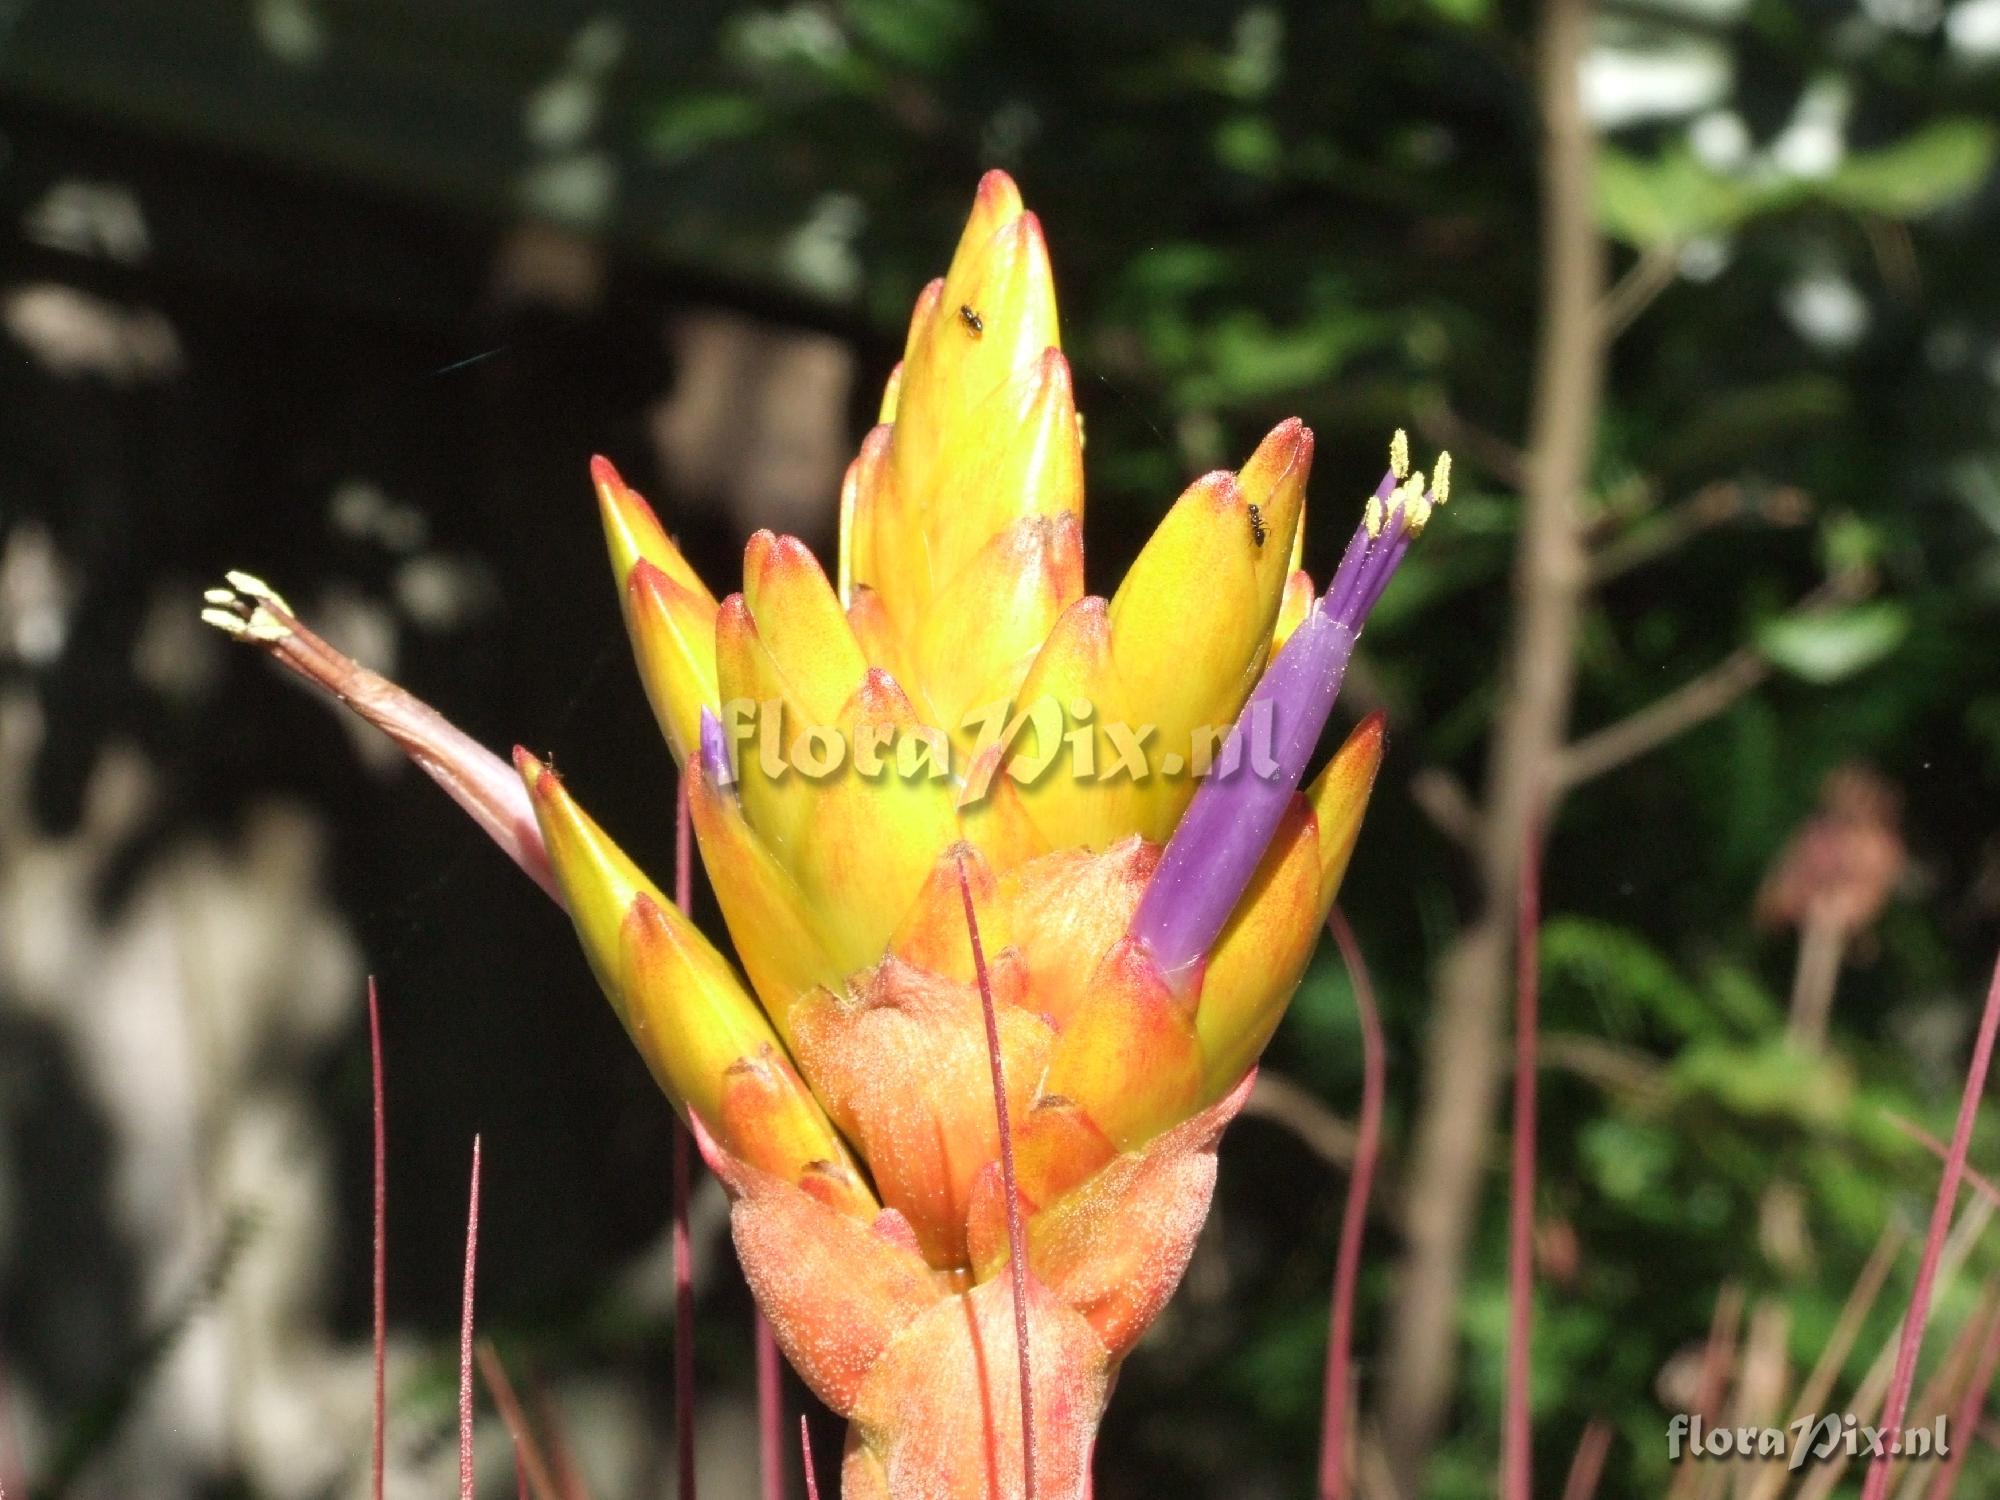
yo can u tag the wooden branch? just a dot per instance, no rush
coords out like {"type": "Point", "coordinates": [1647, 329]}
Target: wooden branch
{"type": "Point", "coordinates": [1648, 276]}
{"type": "Point", "coordinates": [1438, 423]}
{"type": "Point", "coordinates": [1711, 506]}
{"type": "Point", "coordinates": [1297, 1110]}
{"type": "Point", "coordinates": [1690, 704]}
{"type": "Point", "coordinates": [1442, 797]}
{"type": "Point", "coordinates": [1460, 1077]}
{"type": "Point", "coordinates": [1696, 701]}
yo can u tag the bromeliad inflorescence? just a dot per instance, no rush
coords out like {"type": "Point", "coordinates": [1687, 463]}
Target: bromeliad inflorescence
{"type": "Point", "coordinates": [949, 791]}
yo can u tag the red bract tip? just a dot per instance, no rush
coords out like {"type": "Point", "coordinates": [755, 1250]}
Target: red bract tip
{"type": "Point", "coordinates": [380, 1270]}
{"type": "Point", "coordinates": [1016, 1241]}
{"type": "Point", "coordinates": [1354, 1217]}
{"type": "Point", "coordinates": [465, 1486]}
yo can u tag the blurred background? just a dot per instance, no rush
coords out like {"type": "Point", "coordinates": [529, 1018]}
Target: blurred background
{"type": "Point", "coordinates": [1701, 293]}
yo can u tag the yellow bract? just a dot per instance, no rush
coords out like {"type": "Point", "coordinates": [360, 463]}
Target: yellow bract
{"type": "Point", "coordinates": [954, 701]}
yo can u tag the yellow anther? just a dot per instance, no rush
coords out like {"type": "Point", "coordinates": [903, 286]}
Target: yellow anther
{"type": "Point", "coordinates": [1441, 480]}
{"type": "Point", "coordinates": [1399, 454]}
{"type": "Point", "coordinates": [1375, 517]}
{"type": "Point", "coordinates": [1416, 513]}
{"type": "Point", "coordinates": [246, 619]}
{"type": "Point", "coordinates": [256, 588]}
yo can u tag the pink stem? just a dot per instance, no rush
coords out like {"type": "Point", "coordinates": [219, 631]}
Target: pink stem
{"type": "Point", "coordinates": [1016, 1243]}
{"type": "Point", "coordinates": [1353, 1220]}
{"type": "Point", "coordinates": [1977, 1182]}
{"type": "Point", "coordinates": [479, 781]}
{"type": "Point", "coordinates": [770, 1413]}
{"type": "Point", "coordinates": [1897, 1404]}
{"type": "Point", "coordinates": [1965, 1421]}
{"type": "Point", "coordinates": [1517, 1455]}
{"type": "Point", "coordinates": [1587, 1468]}
{"type": "Point", "coordinates": [806, 1447]}
{"type": "Point", "coordinates": [465, 1486]}
{"type": "Point", "coordinates": [520, 1474]}
{"type": "Point", "coordinates": [381, 1263]}
{"type": "Point", "coordinates": [683, 1171]}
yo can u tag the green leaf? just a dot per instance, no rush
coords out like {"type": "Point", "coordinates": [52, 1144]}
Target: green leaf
{"type": "Point", "coordinates": [1836, 644]}
{"type": "Point", "coordinates": [1769, 1080]}
{"type": "Point", "coordinates": [1924, 171]}
{"type": "Point", "coordinates": [685, 126]}
{"type": "Point", "coordinates": [1667, 200]}
{"type": "Point", "coordinates": [1464, 12]}
{"type": "Point", "coordinates": [1622, 974]}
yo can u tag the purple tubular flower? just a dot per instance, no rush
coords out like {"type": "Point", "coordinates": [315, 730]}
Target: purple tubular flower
{"type": "Point", "coordinates": [1222, 837]}
{"type": "Point", "coordinates": [715, 767]}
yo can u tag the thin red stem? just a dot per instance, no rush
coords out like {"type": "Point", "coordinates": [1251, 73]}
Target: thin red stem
{"type": "Point", "coordinates": [806, 1447]}
{"type": "Point", "coordinates": [528, 1457]}
{"type": "Point", "coordinates": [1897, 1404]}
{"type": "Point", "coordinates": [1586, 1469]}
{"type": "Point", "coordinates": [1980, 1184]}
{"type": "Point", "coordinates": [1016, 1240]}
{"type": "Point", "coordinates": [1517, 1455]}
{"type": "Point", "coordinates": [520, 1474]}
{"type": "Point", "coordinates": [1965, 1420]}
{"type": "Point", "coordinates": [380, 1271]}
{"type": "Point", "coordinates": [569, 1483]}
{"type": "Point", "coordinates": [770, 1413]}
{"type": "Point", "coordinates": [465, 1335]}
{"type": "Point", "coordinates": [683, 1174]}
{"type": "Point", "coordinates": [1333, 1475]}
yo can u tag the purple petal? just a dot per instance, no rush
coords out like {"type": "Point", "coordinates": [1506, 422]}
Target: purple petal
{"type": "Point", "coordinates": [715, 767]}
{"type": "Point", "coordinates": [1223, 835]}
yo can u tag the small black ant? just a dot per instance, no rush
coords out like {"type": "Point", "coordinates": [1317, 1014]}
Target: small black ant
{"type": "Point", "coordinates": [975, 325]}
{"type": "Point", "coordinates": [1257, 531]}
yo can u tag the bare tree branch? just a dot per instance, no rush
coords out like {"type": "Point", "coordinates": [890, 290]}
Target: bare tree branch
{"type": "Point", "coordinates": [1694, 702]}
{"type": "Point", "coordinates": [1651, 274]}
{"type": "Point", "coordinates": [1447, 1165]}
{"type": "Point", "coordinates": [1442, 797]}
{"type": "Point", "coordinates": [1712, 505]}
{"type": "Point", "coordinates": [1438, 422]}
{"type": "Point", "coordinates": [1296, 1109]}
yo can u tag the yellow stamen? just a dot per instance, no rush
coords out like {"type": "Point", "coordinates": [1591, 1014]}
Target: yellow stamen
{"type": "Point", "coordinates": [256, 588]}
{"type": "Point", "coordinates": [1399, 454]}
{"type": "Point", "coordinates": [247, 618]}
{"type": "Point", "coordinates": [1441, 480]}
{"type": "Point", "coordinates": [1375, 517]}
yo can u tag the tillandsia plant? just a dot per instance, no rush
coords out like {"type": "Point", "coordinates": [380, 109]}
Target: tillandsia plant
{"type": "Point", "coordinates": [1021, 879]}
